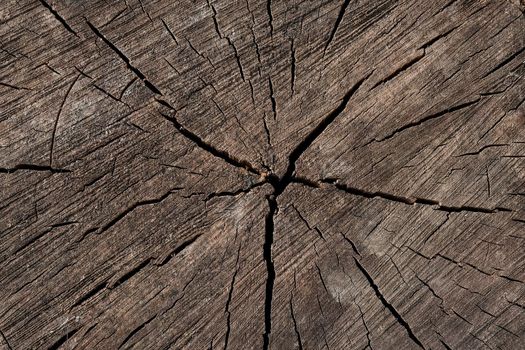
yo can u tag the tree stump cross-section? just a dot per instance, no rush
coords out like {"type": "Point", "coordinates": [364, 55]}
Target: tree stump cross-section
{"type": "Point", "coordinates": [272, 174]}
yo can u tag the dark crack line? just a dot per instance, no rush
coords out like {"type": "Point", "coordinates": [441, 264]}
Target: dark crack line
{"type": "Point", "coordinates": [228, 301]}
{"type": "Point", "coordinates": [117, 15]}
{"type": "Point", "coordinates": [267, 255]}
{"type": "Point", "coordinates": [352, 244]}
{"type": "Point", "coordinates": [40, 235]}
{"type": "Point", "coordinates": [63, 340]}
{"type": "Point", "coordinates": [292, 66]}
{"type": "Point", "coordinates": [432, 291]}
{"type": "Point", "coordinates": [270, 16]}
{"type": "Point", "coordinates": [267, 131]}
{"type": "Point", "coordinates": [5, 340]}
{"type": "Point", "coordinates": [482, 149]}
{"type": "Point", "coordinates": [295, 327]}
{"type": "Point", "coordinates": [337, 23]}
{"type": "Point", "coordinates": [400, 70]}
{"type": "Point", "coordinates": [237, 57]}
{"type": "Point", "coordinates": [230, 42]}
{"type": "Point", "coordinates": [388, 306]}
{"type": "Point", "coordinates": [172, 35]}
{"type": "Point", "coordinates": [436, 229]}
{"type": "Point", "coordinates": [279, 185]}
{"type": "Point", "coordinates": [321, 279]}
{"type": "Point", "coordinates": [303, 219]}
{"type": "Point", "coordinates": [427, 118]}
{"type": "Point", "coordinates": [114, 98]}
{"type": "Point", "coordinates": [55, 125]}
{"type": "Point", "coordinates": [136, 330]}
{"type": "Point", "coordinates": [124, 58]}
{"type": "Point", "coordinates": [369, 341]}
{"type": "Point", "coordinates": [409, 200]}
{"type": "Point", "coordinates": [436, 38]}
{"type": "Point", "coordinates": [197, 140]}
{"type": "Point", "coordinates": [96, 290]}
{"type": "Point", "coordinates": [14, 87]}
{"type": "Point", "coordinates": [139, 204]}
{"type": "Point", "coordinates": [234, 193]}
{"type": "Point", "coordinates": [58, 17]}
{"type": "Point", "coordinates": [180, 248]}
{"type": "Point", "coordinates": [504, 62]}
{"type": "Point", "coordinates": [105, 285]}
{"type": "Point", "coordinates": [126, 276]}
{"type": "Point", "coordinates": [272, 98]}
{"type": "Point", "coordinates": [33, 167]}
{"type": "Point", "coordinates": [445, 344]}
{"type": "Point", "coordinates": [297, 152]}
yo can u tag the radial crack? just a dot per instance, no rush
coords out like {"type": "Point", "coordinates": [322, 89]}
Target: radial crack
{"type": "Point", "coordinates": [228, 301]}
{"type": "Point", "coordinates": [234, 193]}
{"type": "Point", "coordinates": [410, 200]}
{"type": "Point", "coordinates": [427, 118]}
{"type": "Point", "coordinates": [342, 11]}
{"type": "Point", "coordinates": [13, 86]}
{"type": "Point", "coordinates": [504, 62]}
{"type": "Point", "coordinates": [180, 248]}
{"type": "Point", "coordinates": [292, 66]}
{"type": "Point", "coordinates": [482, 149]}
{"type": "Point", "coordinates": [126, 60]}
{"type": "Point", "coordinates": [295, 327]}
{"type": "Point", "coordinates": [136, 330]}
{"type": "Point", "coordinates": [139, 204]}
{"type": "Point", "coordinates": [58, 17]}
{"type": "Point", "coordinates": [33, 167]}
{"type": "Point", "coordinates": [267, 254]}
{"type": "Point", "coordinates": [270, 16]}
{"type": "Point", "coordinates": [172, 35]}
{"type": "Point", "coordinates": [126, 276]}
{"type": "Point", "coordinates": [63, 340]}
{"type": "Point", "coordinates": [5, 340]}
{"type": "Point", "coordinates": [436, 38]}
{"type": "Point", "coordinates": [230, 42]}
{"type": "Point", "coordinates": [272, 98]}
{"type": "Point", "coordinates": [319, 233]}
{"type": "Point", "coordinates": [197, 140]}
{"type": "Point", "coordinates": [298, 151]}
{"type": "Point", "coordinates": [400, 70]}
{"type": "Point", "coordinates": [389, 306]}
{"type": "Point", "coordinates": [55, 126]}
{"type": "Point", "coordinates": [97, 289]}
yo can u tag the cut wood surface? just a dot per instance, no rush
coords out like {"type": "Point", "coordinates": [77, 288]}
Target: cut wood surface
{"type": "Point", "coordinates": [240, 174]}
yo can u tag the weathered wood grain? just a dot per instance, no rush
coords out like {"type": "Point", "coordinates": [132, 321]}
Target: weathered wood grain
{"type": "Point", "coordinates": [262, 174]}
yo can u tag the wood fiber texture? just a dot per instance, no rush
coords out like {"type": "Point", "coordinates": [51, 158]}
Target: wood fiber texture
{"type": "Point", "coordinates": [240, 174]}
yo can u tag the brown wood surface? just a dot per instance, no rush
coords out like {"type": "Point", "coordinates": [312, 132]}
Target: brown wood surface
{"type": "Point", "coordinates": [213, 174]}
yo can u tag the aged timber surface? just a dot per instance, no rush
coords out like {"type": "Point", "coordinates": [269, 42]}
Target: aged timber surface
{"type": "Point", "coordinates": [240, 174]}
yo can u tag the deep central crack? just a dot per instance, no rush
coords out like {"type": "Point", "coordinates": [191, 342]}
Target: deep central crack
{"type": "Point", "coordinates": [279, 185]}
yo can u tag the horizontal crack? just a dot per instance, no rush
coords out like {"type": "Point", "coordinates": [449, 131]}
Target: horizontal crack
{"type": "Point", "coordinates": [234, 193]}
{"type": "Point", "coordinates": [126, 212]}
{"type": "Point", "coordinates": [33, 167]}
{"type": "Point", "coordinates": [409, 200]}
